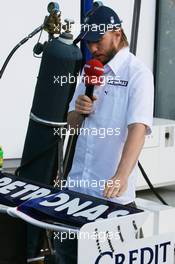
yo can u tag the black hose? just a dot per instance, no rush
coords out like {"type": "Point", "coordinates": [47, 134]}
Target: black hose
{"type": "Point", "coordinates": [17, 47]}
{"type": "Point", "coordinates": [150, 184]}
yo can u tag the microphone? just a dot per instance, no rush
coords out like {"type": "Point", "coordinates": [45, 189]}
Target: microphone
{"type": "Point", "coordinates": [94, 70]}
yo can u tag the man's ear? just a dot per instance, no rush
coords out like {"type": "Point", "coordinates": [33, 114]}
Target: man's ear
{"type": "Point", "coordinates": [117, 39]}
{"type": "Point", "coordinates": [118, 32]}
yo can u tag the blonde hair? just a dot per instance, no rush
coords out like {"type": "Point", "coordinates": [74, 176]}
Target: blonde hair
{"type": "Point", "coordinates": [124, 39]}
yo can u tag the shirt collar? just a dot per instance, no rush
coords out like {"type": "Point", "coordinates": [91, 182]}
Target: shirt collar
{"type": "Point", "coordinates": [117, 60]}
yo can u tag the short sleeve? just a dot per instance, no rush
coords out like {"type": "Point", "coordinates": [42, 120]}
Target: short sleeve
{"type": "Point", "coordinates": [141, 100]}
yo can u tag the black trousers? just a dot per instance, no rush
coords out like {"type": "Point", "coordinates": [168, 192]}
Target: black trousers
{"type": "Point", "coordinates": [67, 249]}
{"type": "Point", "coordinates": [12, 240]}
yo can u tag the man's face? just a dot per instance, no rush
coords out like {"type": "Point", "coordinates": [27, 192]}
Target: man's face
{"type": "Point", "coordinates": [106, 48]}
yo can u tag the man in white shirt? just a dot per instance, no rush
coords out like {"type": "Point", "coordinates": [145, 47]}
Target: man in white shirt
{"type": "Point", "coordinates": [125, 102]}
{"type": "Point", "coordinates": [122, 107]}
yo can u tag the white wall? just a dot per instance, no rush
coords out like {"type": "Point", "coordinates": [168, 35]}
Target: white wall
{"type": "Point", "coordinates": [124, 9]}
{"type": "Point", "coordinates": [18, 83]}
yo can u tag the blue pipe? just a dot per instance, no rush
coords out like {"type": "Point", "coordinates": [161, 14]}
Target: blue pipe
{"type": "Point", "coordinates": [86, 5]}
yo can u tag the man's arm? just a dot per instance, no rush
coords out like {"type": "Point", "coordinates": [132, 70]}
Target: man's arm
{"type": "Point", "coordinates": [74, 119]}
{"type": "Point", "coordinates": [131, 151]}
{"type": "Point", "coordinates": [83, 106]}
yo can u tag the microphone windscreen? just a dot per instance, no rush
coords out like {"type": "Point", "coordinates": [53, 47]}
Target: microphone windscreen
{"type": "Point", "coordinates": [94, 68]}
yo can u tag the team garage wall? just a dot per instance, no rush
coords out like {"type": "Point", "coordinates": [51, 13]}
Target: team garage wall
{"type": "Point", "coordinates": [165, 77]}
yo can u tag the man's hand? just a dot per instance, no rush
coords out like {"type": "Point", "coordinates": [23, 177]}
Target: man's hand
{"type": "Point", "coordinates": [130, 154]}
{"type": "Point", "coordinates": [115, 187]}
{"type": "Point", "coordinates": [84, 105]}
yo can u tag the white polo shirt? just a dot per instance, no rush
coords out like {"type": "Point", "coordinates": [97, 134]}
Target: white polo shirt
{"type": "Point", "coordinates": [125, 98]}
